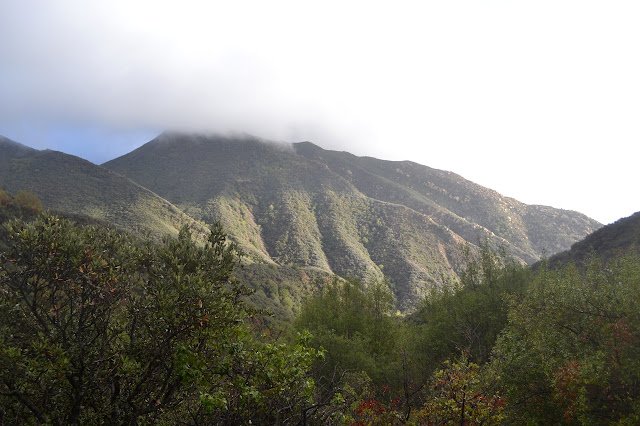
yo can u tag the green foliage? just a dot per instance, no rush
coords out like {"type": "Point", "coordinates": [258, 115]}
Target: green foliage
{"type": "Point", "coordinates": [570, 351]}
{"type": "Point", "coordinates": [353, 324]}
{"type": "Point", "coordinates": [97, 326]}
{"type": "Point", "coordinates": [607, 242]}
{"type": "Point", "coordinates": [461, 394]}
{"type": "Point", "coordinates": [281, 289]}
{"type": "Point", "coordinates": [264, 382]}
{"type": "Point", "coordinates": [10, 209]}
{"type": "Point", "coordinates": [469, 317]}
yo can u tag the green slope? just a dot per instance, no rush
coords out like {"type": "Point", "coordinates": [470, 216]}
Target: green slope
{"type": "Point", "coordinates": [463, 206]}
{"type": "Point", "coordinates": [71, 185]}
{"type": "Point", "coordinates": [304, 206]}
{"type": "Point", "coordinates": [611, 240]}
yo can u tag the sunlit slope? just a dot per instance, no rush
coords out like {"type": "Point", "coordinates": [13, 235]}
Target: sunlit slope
{"type": "Point", "coordinates": [301, 205]}
{"type": "Point", "coordinates": [459, 204]}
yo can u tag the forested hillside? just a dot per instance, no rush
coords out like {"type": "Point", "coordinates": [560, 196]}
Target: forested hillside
{"type": "Point", "coordinates": [620, 237]}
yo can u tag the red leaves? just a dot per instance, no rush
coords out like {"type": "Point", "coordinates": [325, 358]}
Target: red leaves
{"type": "Point", "coordinates": [372, 405]}
{"type": "Point", "coordinates": [566, 384]}
{"type": "Point", "coordinates": [374, 411]}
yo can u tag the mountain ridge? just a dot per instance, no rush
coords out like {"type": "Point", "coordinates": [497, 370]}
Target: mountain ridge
{"type": "Point", "coordinates": [73, 185]}
{"type": "Point", "coordinates": [619, 237]}
{"type": "Point", "coordinates": [301, 205]}
{"type": "Point", "coordinates": [443, 202]}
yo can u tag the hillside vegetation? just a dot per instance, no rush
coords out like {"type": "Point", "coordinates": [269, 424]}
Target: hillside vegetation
{"type": "Point", "coordinates": [77, 187]}
{"type": "Point", "coordinates": [620, 237]}
{"type": "Point", "coordinates": [98, 326]}
{"type": "Point", "coordinates": [354, 216]}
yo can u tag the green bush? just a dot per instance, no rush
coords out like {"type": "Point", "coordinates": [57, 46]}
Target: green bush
{"type": "Point", "coordinates": [570, 352]}
{"type": "Point", "coordinates": [97, 327]}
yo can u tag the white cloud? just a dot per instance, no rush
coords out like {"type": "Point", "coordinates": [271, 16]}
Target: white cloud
{"type": "Point", "coordinates": [517, 96]}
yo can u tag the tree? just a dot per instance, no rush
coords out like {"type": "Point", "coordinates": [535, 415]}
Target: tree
{"type": "Point", "coordinates": [98, 327]}
{"type": "Point", "coordinates": [470, 316]}
{"type": "Point", "coordinates": [353, 324]}
{"type": "Point", "coordinates": [570, 351]}
{"type": "Point", "coordinates": [461, 395]}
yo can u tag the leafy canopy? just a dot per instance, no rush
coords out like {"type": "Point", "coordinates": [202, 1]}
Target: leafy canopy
{"type": "Point", "coordinates": [96, 326]}
{"type": "Point", "coordinates": [570, 351]}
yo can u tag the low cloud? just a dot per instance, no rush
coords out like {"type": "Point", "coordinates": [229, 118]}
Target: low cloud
{"type": "Point", "coordinates": [472, 87]}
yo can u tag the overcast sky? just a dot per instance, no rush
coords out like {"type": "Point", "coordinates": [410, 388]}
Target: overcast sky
{"type": "Point", "coordinates": [539, 100]}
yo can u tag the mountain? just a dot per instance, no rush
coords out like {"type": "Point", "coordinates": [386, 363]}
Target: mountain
{"type": "Point", "coordinates": [73, 186]}
{"type": "Point", "coordinates": [617, 238]}
{"type": "Point", "coordinates": [461, 205]}
{"type": "Point", "coordinates": [302, 206]}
